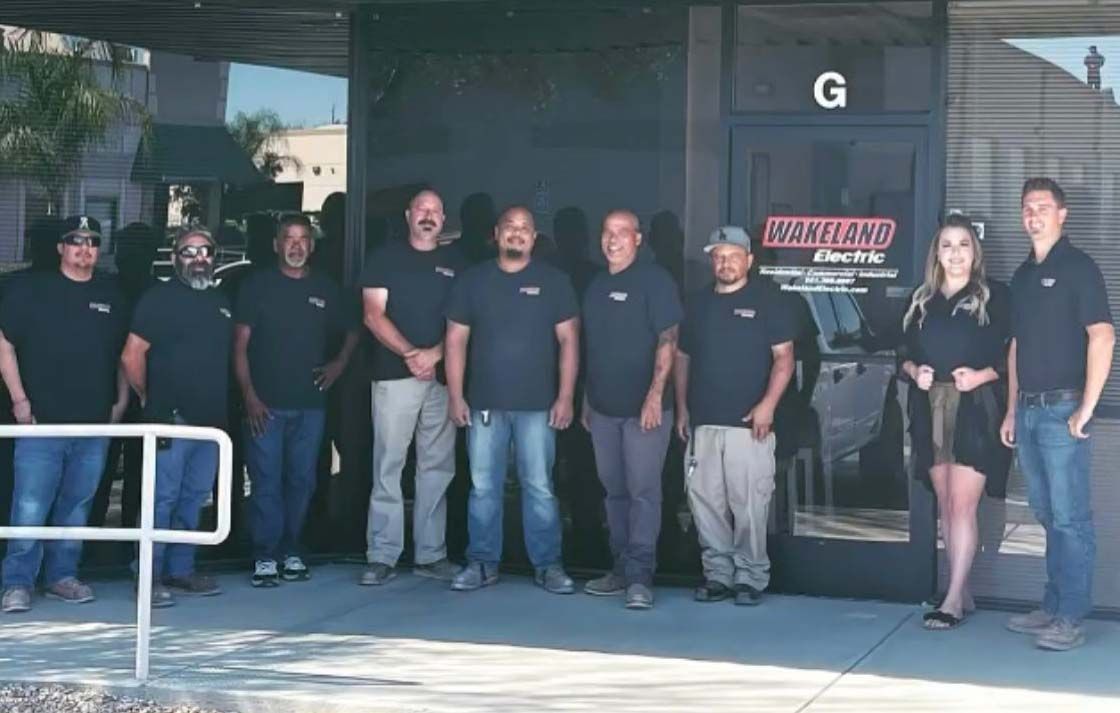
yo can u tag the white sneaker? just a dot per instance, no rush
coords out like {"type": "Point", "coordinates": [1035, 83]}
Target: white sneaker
{"type": "Point", "coordinates": [265, 574]}
{"type": "Point", "coordinates": [295, 570]}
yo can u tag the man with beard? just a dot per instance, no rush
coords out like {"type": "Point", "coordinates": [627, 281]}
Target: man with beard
{"type": "Point", "coordinates": [734, 360]}
{"type": "Point", "coordinates": [177, 360]}
{"type": "Point", "coordinates": [61, 333]}
{"type": "Point", "coordinates": [520, 319]}
{"type": "Point", "coordinates": [630, 316]}
{"type": "Point", "coordinates": [285, 318]}
{"type": "Point", "coordinates": [404, 288]}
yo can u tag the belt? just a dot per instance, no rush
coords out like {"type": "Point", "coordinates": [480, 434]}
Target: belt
{"type": "Point", "coordinates": [1049, 398]}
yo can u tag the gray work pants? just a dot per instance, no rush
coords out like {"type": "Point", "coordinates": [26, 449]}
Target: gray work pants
{"type": "Point", "coordinates": [403, 408]}
{"type": "Point", "coordinates": [729, 492]}
{"type": "Point", "coordinates": [629, 461]}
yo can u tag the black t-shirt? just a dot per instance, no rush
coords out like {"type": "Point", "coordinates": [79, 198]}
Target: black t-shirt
{"type": "Point", "coordinates": [418, 283]}
{"type": "Point", "coordinates": [188, 363]}
{"type": "Point", "coordinates": [947, 340]}
{"type": "Point", "coordinates": [68, 337]}
{"type": "Point", "coordinates": [292, 321]}
{"type": "Point", "coordinates": [1052, 304]}
{"type": "Point", "coordinates": [623, 315]}
{"type": "Point", "coordinates": [728, 338]}
{"type": "Point", "coordinates": [513, 317]}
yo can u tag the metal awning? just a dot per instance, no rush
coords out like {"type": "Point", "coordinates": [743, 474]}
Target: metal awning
{"type": "Point", "coordinates": [178, 153]}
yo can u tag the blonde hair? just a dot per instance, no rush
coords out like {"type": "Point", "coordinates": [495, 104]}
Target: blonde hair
{"type": "Point", "coordinates": [977, 293]}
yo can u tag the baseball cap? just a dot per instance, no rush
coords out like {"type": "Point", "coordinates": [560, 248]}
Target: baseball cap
{"type": "Point", "coordinates": [728, 235]}
{"type": "Point", "coordinates": [80, 225]}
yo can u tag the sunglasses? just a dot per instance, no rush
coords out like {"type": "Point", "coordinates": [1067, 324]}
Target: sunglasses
{"type": "Point", "coordinates": [193, 251]}
{"type": "Point", "coordinates": [78, 240]}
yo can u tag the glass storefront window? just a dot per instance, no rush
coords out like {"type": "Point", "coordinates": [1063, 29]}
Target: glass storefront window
{"type": "Point", "coordinates": [882, 51]}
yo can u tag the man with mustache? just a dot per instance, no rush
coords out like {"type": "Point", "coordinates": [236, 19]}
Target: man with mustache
{"type": "Point", "coordinates": [286, 316]}
{"type": "Point", "coordinates": [630, 317]}
{"type": "Point", "coordinates": [62, 331]}
{"type": "Point", "coordinates": [734, 360]}
{"type": "Point", "coordinates": [177, 361]}
{"type": "Point", "coordinates": [404, 287]}
{"type": "Point", "coordinates": [519, 317]}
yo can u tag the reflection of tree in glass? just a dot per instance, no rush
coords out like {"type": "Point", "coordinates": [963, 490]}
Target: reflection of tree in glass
{"type": "Point", "coordinates": [54, 106]}
{"type": "Point", "coordinates": [260, 135]}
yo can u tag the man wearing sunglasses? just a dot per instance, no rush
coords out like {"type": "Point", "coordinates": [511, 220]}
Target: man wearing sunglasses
{"type": "Point", "coordinates": [286, 318]}
{"type": "Point", "coordinates": [177, 360]}
{"type": "Point", "coordinates": [60, 334]}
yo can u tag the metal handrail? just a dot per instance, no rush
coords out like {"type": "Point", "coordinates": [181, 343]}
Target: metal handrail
{"type": "Point", "coordinates": [146, 534]}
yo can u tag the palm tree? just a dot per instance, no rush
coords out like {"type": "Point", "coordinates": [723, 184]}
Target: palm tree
{"type": "Point", "coordinates": [260, 135]}
{"type": "Point", "coordinates": [53, 107]}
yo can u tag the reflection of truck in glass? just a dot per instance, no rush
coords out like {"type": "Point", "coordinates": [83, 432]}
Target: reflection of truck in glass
{"type": "Point", "coordinates": [849, 379]}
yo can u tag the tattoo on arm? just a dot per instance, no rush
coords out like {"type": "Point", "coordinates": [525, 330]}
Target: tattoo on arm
{"type": "Point", "coordinates": [663, 360]}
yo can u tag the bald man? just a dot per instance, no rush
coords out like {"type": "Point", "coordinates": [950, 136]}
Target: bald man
{"type": "Point", "coordinates": [519, 317]}
{"type": "Point", "coordinates": [631, 314]}
{"type": "Point", "coordinates": [404, 287]}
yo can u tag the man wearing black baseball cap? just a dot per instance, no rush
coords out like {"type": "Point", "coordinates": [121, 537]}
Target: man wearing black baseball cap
{"type": "Point", "coordinates": [177, 360]}
{"type": "Point", "coordinates": [60, 335]}
{"type": "Point", "coordinates": [734, 360]}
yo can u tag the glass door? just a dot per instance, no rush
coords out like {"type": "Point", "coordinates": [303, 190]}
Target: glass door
{"type": "Point", "coordinates": [834, 211]}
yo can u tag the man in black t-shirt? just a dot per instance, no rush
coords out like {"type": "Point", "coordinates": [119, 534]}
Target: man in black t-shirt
{"type": "Point", "coordinates": [734, 361]}
{"type": "Point", "coordinates": [285, 318]}
{"type": "Point", "coordinates": [519, 317]}
{"type": "Point", "coordinates": [60, 334]}
{"type": "Point", "coordinates": [177, 360]}
{"type": "Point", "coordinates": [630, 316]}
{"type": "Point", "coordinates": [1062, 340]}
{"type": "Point", "coordinates": [404, 289]}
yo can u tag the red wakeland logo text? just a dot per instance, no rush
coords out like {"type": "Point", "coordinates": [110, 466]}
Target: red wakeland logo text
{"type": "Point", "coordinates": [838, 233]}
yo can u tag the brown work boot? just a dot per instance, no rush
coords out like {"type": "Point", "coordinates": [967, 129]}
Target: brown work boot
{"type": "Point", "coordinates": [70, 590]}
{"type": "Point", "coordinates": [195, 584]}
{"type": "Point", "coordinates": [1032, 623]}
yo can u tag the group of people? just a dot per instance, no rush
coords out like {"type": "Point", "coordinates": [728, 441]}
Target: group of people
{"type": "Point", "coordinates": [993, 368]}
{"type": "Point", "coordinates": [496, 348]}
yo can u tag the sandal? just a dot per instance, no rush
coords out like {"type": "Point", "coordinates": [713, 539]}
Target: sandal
{"type": "Point", "coordinates": [941, 621]}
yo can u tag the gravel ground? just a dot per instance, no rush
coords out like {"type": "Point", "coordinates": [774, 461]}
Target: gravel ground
{"type": "Point", "coordinates": [20, 698]}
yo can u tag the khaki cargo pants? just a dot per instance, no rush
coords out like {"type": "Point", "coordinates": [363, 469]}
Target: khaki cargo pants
{"type": "Point", "coordinates": [729, 492]}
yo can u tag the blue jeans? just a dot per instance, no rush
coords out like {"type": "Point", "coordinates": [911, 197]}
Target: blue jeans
{"type": "Point", "coordinates": [282, 469]}
{"type": "Point", "coordinates": [55, 478]}
{"type": "Point", "coordinates": [488, 449]}
{"type": "Point", "coordinates": [1055, 466]}
{"type": "Point", "coordinates": [185, 473]}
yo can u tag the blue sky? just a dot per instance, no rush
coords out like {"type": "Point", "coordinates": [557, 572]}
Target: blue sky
{"type": "Point", "coordinates": [298, 97]}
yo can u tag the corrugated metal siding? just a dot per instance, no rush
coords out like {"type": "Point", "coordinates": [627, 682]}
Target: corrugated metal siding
{"type": "Point", "coordinates": [1015, 112]}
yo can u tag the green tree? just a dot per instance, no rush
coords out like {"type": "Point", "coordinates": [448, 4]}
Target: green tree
{"type": "Point", "coordinates": [54, 106]}
{"type": "Point", "coordinates": [260, 134]}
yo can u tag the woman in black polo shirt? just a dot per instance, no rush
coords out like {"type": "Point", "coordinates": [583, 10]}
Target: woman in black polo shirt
{"type": "Point", "coordinates": [956, 340]}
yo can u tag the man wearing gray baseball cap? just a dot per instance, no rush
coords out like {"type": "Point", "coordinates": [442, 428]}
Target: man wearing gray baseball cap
{"type": "Point", "coordinates": [734, 360]}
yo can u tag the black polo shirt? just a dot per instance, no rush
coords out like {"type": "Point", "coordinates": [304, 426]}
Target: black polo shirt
{"type": "Point", "coordinates": [292, 322]}
{"type": "Point", "coordinates": [190, 332]}
{"type": "Point", "coordinates": [728, 338]}
{"type": "Point", "coordinates": [950, 337]}
{"type": "Point", "coordinates": [68, 337]}
{"type": "Point", "coordinates": [1052, 304]}
{"type": "Point", "coordinates": [418, 282]}
{"type": "Point", "coordinates": [623, 315]}
{"type": "Point", "coordinates": [513, 349]}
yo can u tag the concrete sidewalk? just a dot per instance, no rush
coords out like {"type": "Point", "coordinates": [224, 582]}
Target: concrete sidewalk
{"type": "Point", "coordinates": [412, 645]}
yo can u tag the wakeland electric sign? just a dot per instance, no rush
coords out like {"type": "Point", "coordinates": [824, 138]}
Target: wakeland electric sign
{"type": "Point", "coordinates": [830, 253]}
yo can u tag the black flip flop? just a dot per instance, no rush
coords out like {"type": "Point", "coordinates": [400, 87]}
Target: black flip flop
{"type": "Point", "coordinates": [941, 621]}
